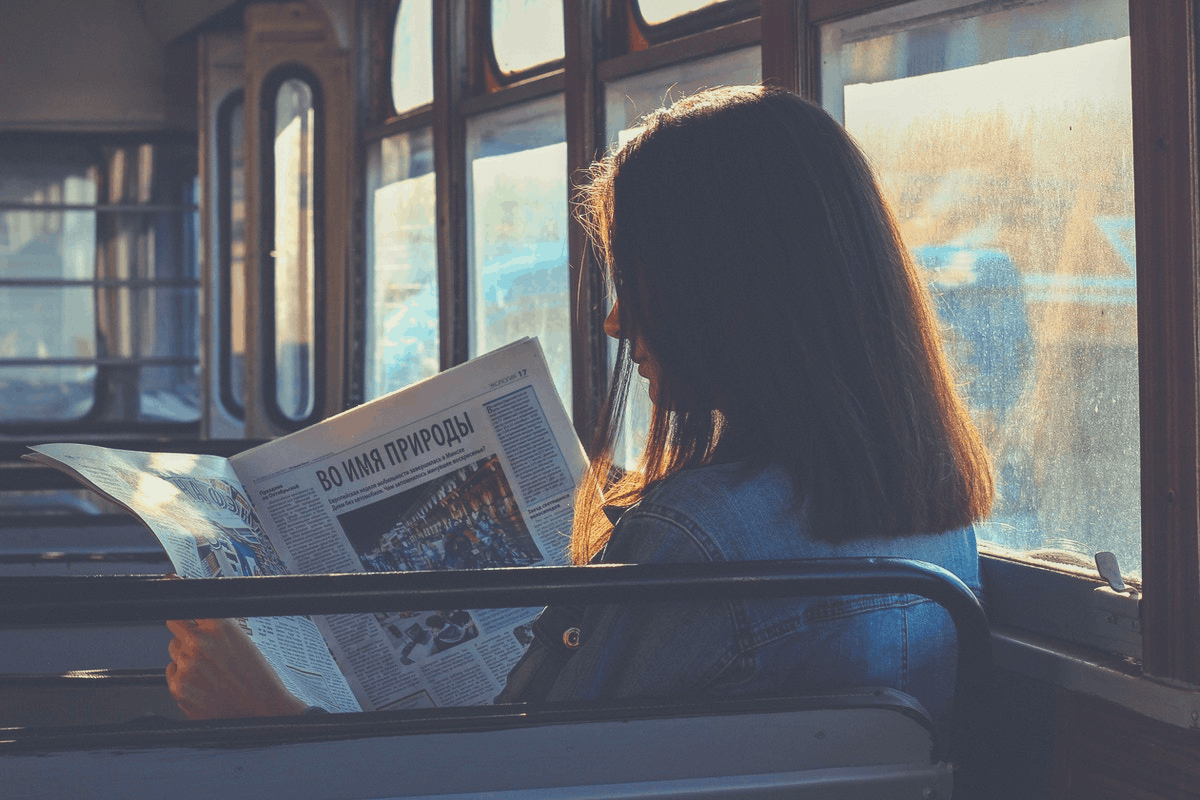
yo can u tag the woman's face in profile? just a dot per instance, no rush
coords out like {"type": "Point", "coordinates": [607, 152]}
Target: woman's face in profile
{"type": "Point", "coordinates": [647, 367]}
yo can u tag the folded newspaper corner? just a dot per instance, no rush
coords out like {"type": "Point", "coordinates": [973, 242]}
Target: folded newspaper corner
{"type": "Point", "coordinates": [475, 467]}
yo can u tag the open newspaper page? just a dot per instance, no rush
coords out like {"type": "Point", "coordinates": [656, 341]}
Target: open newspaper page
{"type": "Point", "coordinates": [473, 468]}
{"type": "Point", "coordinates": [198, 509]}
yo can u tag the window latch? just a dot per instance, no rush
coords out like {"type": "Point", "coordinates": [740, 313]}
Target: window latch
{"type": "Point", "coordinates": [1110, 570]}
{"type": "Point", "coordinates": [1116, 619]}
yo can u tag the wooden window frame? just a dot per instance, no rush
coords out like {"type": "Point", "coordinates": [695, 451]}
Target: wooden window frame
{"type": "Point", "coordinates": [1166, 183]}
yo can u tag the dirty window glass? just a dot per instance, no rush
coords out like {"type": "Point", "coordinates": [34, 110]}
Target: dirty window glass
{"type": "Point", "coordinates": [526, 33]}
{"type": "Point", "coordinates": [294, 250]}
{"type": "Point", "coordinates": [656, 11]}
{"type": "Point", "coordinates": [518, 281]}
{"type": "Point", "coordinates": [402, 312]}
{"type": "Point", "coordinates": [1004, 142]}
{"type": "Point", "coordinates": [412, 55]}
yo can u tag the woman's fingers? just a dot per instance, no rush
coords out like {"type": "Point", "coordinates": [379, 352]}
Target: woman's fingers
{"type": "Point", "coordinates": [217, 671]}
{"type": "Point", "coordinates": [182, 627]}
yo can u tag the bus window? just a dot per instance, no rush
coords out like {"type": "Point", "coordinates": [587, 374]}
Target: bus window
{"type": "Point", "coordinates": [655, 12]}
{"type": "Point", "coordinates": [99, 313]}
{"type": "Point", "coordinates": [294, 250]}
{"type": "Point", "coordinates": [44, 322]}
{"type": "Point", "coordinates": [402, 312]}
{"type": "Point", "coordinates": [1004, 143]}
{"type": "Point", "coordinates": [412, 55]}
{"type": "Point", "coordinates": [517, 217]}
{"type": "Point", "coordinates": [513, 45]}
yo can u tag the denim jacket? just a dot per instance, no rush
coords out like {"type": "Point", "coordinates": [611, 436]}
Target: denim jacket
{"type": "Point", "coordinates": [746, 647]}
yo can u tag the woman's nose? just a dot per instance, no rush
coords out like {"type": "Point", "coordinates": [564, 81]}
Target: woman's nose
{"type": "Point", "coordinates": [612, 325]}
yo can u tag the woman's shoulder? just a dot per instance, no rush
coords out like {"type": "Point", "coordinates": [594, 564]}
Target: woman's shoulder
{"type": "Point", "coordinates": [729, 512]}
{"type": "Point", "coordinates": [726, 494]}
{"type": "Point", "coordinates": [708, 513]}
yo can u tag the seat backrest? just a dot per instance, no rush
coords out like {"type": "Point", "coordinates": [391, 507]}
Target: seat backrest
{"type": "Point", "coordinates": [870, 743]}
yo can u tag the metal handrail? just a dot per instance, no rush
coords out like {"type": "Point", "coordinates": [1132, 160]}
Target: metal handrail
{"type": "Point", "coordinates": [74, 600]}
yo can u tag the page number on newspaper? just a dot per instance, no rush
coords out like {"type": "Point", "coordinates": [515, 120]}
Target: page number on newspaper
{"type": "Point", "coordinates": [516, 376]}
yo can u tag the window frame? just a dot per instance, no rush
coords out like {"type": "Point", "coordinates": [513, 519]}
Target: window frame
{"type": "Point", "coordinates": [1166, 177]}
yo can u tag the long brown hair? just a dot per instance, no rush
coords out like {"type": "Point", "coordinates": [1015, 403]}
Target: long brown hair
{"type": "Point", "coordinates": [754, 258]}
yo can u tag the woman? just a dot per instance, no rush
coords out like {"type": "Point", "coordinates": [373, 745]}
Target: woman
{"type": "Point", "coordinates": [802, 408]}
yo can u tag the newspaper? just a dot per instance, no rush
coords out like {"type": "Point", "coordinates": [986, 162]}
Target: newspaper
{"type": "Point", "coordinates": [475, 467]}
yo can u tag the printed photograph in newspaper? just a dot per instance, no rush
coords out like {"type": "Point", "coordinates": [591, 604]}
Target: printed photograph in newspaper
{"type": "Point", "coordinates": [464, 519]}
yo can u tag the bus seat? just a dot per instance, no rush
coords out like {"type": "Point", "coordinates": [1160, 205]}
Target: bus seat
{"type": "Point", "coordinates": [870, 743]}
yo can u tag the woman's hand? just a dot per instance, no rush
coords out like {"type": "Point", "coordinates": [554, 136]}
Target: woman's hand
{"type": "Point", "coordinates": [216, 671]}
